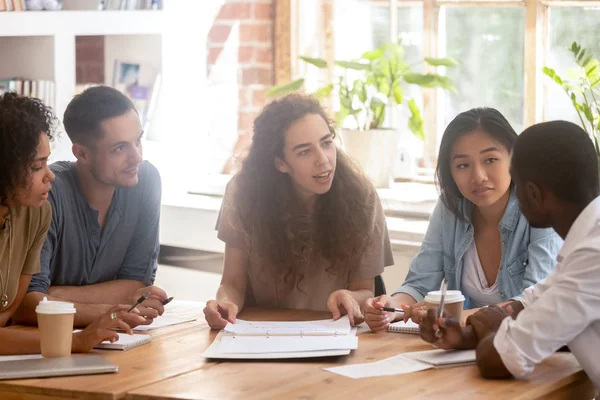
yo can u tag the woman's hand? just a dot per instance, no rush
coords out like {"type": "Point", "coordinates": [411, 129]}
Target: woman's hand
{"type": "Point", "coordinates": [341, 303]}
{"type": "Point", "coordinates": [104, 327]}
{"type": "Point", "coordinates": [416, 312]}
{"type": "Point", "coordinates": [377, 319]}
{"type": "Point", "coordinates": [219, 313]}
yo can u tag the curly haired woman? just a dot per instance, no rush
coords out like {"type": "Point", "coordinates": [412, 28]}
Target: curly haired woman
{"type": "Point", "coordinates": [303, 227]}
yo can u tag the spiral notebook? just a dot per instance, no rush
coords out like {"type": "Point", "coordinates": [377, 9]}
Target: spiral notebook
{"type": "Point", "coordinates": [125, 342]}
{"type": "Point", "coordinates": [404, 327]}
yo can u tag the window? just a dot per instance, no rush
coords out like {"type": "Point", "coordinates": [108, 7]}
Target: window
{"type": "Point", "coordinates": [498, 44]}
{"type": "Point", "coordinates": [489, 43]}
{"type": "Point", "coordinates": [565, 25]}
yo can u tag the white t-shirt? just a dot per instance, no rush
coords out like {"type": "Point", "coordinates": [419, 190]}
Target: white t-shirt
{"type": "Point", "coordinates": [562, 309]}
{"type": "Point", "coordinates": [474, 283]}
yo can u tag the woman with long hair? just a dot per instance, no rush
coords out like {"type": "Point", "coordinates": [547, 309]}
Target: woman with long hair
{"type": "Point", "coordinates": [477, 238]}
{"type": "Point", "coordinates": [26, 128]}
{"type": "Point", "coordinates": [303, 227]}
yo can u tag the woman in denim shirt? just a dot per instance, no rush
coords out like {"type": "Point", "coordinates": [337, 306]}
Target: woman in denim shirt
{"type": "Point", "coordinates": [477, 237]}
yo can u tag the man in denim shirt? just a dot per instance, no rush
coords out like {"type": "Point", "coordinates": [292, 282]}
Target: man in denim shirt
{"type": "Point", "coordinates": [102, 246]}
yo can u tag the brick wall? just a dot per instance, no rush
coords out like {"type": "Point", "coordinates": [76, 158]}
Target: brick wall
{"type": "Point", "coordinates": [89, 59]}
{"type": "Point", "coordinates": [254, 19]}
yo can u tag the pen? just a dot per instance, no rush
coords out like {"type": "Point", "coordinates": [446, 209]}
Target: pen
{"type": "Point", "coordinates": [167, 301]}
{"type": "Point", "coordinates": [392, 309]}
{"type": "Point", "coordinates": [139, 301]}
{"type": "Point", "coordinates": [441, 309]}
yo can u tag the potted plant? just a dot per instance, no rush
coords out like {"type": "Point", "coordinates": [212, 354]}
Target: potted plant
{"type": "Point", "coordinates": [369, 90]}
{"type": "Point", "coordinates": [583, 88]}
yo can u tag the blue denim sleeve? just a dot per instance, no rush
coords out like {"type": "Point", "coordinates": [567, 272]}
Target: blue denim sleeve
{"type": "Point", "coordinates": [141, 260]}
{"type": "Point", "coordinates": [543, 248]}
{"type": "Point", "coordinates": [426, 268]}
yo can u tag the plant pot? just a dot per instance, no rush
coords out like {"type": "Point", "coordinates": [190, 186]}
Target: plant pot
{"type": "Point", "coordinates": [373, 151]}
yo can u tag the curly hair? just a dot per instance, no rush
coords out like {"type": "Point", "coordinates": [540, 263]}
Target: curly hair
{"type": "Point", "coordinates": [271, 216]}
{"type": "Point", "coordinates": [22, 120]}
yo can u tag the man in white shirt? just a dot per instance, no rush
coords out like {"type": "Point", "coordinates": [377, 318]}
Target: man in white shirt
{"type": "Point", "coordinates": [555, 168]}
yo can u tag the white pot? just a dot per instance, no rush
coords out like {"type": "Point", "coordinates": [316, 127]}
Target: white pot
{"type": "Point", "coordinates": [374, 151]}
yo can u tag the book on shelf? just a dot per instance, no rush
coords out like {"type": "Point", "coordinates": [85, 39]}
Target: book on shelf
{"type": "Point", "coordinates": [130, 5]}
{"type": "Point", "coordinates": [39, 88]}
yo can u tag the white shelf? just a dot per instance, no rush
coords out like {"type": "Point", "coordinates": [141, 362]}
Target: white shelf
{"type": "Point", "coordinates": [78, 23]}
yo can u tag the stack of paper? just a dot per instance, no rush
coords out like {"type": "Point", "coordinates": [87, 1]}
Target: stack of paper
{"type": "Point", "coordinates": [265, 339]}
{"type": "Point", "coordinates": [406, 363]}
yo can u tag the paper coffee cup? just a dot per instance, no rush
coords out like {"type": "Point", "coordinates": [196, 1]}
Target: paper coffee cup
{"type": "Point", "coordinates": [453, 302]}
{"type": "Point", "coordinates": [55, 320]}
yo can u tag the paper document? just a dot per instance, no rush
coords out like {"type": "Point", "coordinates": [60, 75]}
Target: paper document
{"type": "Point", "coordinates": [283, 344]}
{"type": "Point", "coordinates": [390, 366]}
{"type": "Point", "coordinates": [325, 327]}
{"type": "Point", "coordinates": [162, 321]}
{"type": "Point", "coordinates": [406, 363]}
{"type": "Point", "coordinates": [443, 357]}
{"type": "Point", "coordinates": [288, 346]}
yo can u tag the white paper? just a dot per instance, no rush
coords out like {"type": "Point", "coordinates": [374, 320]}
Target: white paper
{"type": "Point", "coordinates": [162, 321]}
{"type": "Point", "coordinates": [443, 357]}
{"type": "Point", "coordinates": [318, 328]}
{"type": "Point", "coordinates": [20, 357]}
{"type": "Point", "coordinates": [390, 366]}
{"type": "Point", "coordinates": [285, 344]}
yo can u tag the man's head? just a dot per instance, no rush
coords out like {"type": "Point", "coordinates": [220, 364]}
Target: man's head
{"type": "Point", "coordinates": [106, 133]}
{"type": "Point", "coordinates": [553, 164]}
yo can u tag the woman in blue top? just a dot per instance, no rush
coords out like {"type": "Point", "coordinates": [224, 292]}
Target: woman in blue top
{"type": "Point", "coordinates": [477, 237]}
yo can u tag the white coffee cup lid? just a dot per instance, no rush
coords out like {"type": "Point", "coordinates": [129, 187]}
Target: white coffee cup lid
{"type": "Point", "coordinates": [54, 307]}
{"type": "Point", "coordinates": [452, 296]}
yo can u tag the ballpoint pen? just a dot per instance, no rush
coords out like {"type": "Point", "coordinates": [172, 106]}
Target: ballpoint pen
{"type": "Point", "coordinates": [139, 301]}
{"type": "Point", "coordinates": [441, 308]}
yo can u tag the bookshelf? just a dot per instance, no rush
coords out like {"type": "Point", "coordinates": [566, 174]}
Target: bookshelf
{"type": "Point", "coordinates": [41, 45]}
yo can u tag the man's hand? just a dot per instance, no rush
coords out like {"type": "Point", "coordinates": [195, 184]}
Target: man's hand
{"type": "Point", "coordinates": [341, 303]}
{"type": "Point", "coordinates": [487, 320]}
{"type": "Point", "coordinates": [219, 313]}
{"type": "Point", "coordinates": [151, 307]}
{"type": "Point", "coordinates": [450, 334]}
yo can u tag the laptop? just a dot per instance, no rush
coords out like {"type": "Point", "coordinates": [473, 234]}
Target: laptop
{"type": "Point", "coordinates": [62, 366]}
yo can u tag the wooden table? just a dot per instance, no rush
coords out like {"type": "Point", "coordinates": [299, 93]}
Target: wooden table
{"type": "Point", "coordinates": [171, 367]}
{"type": "Point", "coordinates": [558, 377]}
{"type": "Point", "coordinates": [173, 351]}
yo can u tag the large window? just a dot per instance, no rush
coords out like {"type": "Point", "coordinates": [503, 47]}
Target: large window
{"type": "Point", "coordinates": [502, 46]}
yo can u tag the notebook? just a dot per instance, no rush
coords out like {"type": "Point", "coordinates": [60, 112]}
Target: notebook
{"type": "Point", "coordinates": [125, 342]}
{"type": "Point", "coordinates": [62, 366]}
{"type": "Point", "coordinates": [404, 327]}
{"type": "Point", "coordinates": [444, 358]}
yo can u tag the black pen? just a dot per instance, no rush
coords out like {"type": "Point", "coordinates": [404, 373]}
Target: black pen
{"type": "Point", "coordinates": [139, 301]}
{"type": "Point", "coordinates": [167, 301]}
{"type": "Point", "coordinates": [392, 309]}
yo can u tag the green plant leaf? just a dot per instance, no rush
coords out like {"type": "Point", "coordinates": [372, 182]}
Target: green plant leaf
{"type": "Point", "coordinates": [398, 95]}
{"type": "Point", "coordinates": [425, 80]}
{"type": "Point", "coordinates": [317, 62]}
{"type": "Point", "coordinates": [373, 54]}
{"type": "Point", "coordinates": [442, 62]}
{"type": "Point", "coordinates": [324, 92]}
{"type": "Point", "coordinates": [587, 60]}
{"type": "Point", "coordinates": [353, 65]}
{"type": "Point", "coordinates": [552, 74]}
{"type": "Point", "coordinates": [580, 56]}
{"type": "Point", "coordinates": [415, 122]}
{"type": "Point", "coordinates": [287, 88]}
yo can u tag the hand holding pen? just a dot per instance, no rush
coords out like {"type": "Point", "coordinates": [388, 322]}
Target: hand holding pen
{"type": "Point", "coordinates": [149, 301]}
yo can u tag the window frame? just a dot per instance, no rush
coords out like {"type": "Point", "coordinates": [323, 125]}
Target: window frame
{"type": "Point", "coordinates": [286, 22]}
